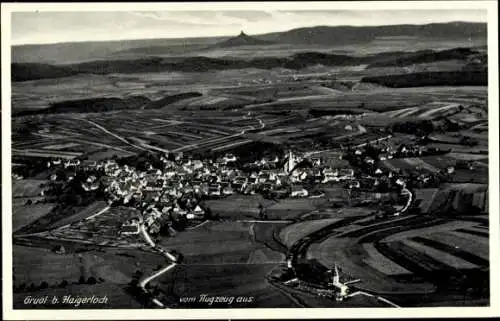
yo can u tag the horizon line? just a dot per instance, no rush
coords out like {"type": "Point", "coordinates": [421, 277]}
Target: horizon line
{"type": "Point", "coordinates": [232, 35]}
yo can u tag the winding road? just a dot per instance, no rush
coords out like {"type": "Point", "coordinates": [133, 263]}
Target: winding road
{"type": "Point", "coordinates": [171, 258]}
{"type": "Point", "coordinates": [299, 248]}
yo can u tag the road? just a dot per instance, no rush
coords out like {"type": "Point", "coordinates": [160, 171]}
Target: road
{"type": "Point", "coordinates": [42, 233]}
{"type": "Point", "coordinates": [211, 141]}
{"type": "Point", "coordinates": [407, 192]}
{"type": "Point", "coordinates": [112, 134]}
{"type": "Point", "coordinates": [374, 141]}
{"type": "Point", "coordinates": [172, 262]}
{"type": "Point", "coordinates": [361, 130]}
{"type": "Point", "coordinates": [299, 248]}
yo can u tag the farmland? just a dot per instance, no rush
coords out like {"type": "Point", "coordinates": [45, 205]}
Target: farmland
{"type": "Point", "coordinates": [254, 167]}
{"type": "Point", "coordinates": [405, 261]}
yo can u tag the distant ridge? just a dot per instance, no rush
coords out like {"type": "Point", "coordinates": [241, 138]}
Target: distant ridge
{"type": "Point", "coordinates": [338, 35]}
{"type": "Point", "coordinates": [33, 71]}
{"type": "Point", "coordinates": [242, 40]}
{"type": "Point", "coordinates": [318, 35]}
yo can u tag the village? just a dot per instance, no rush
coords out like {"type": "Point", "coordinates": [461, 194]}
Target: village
{"type": "Point", "coordinates": [170, 188]}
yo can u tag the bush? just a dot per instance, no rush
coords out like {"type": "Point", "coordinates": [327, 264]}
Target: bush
{"type": "Point", "coordinates": [91, 280]}
{"type": "Point", "coordinates": [63, 284]}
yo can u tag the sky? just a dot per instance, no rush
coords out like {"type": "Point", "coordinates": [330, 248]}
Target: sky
{"type": "Point", "coordinates": [53, 27]}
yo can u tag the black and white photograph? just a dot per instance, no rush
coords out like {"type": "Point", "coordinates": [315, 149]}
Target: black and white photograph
{"type": "Point", "coordinates": [222, 156]}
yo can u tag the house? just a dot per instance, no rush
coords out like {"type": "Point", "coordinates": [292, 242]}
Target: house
{"type": "Point", "coordinates": [59, 249]}
{"type": "Point", "coordinates": [299, 175]}
{"type": "Point", "coordinates": [197, 164]}
{"type": "Point", "coordinates": [316, 161]}
{"type": "Point", "coordinates": [346, 173]}
{"type": "Point", "coordinates": [237, 187]}
{"type": "Point", "coordinates": [129, 229]}
{"type": "Point", "coordinates": [369, 160]}
{"type": "Point", "coordinates": [249, 190]}
{"type": "Point", "coordinates": [214, 190]}
{"type": "Point", "coordinates": [198, 212]}
{"type": "Point", "coordinates": [71, 163]}
{"type": "Point", "coordinates": [263, 177]}
{"type": "Point", "coordinates": [229, 158]}
{"type": "Point", "coordinates": [299, 191]}
{"type": "Point", "coordinates": [204, 189]}
{"type": "Point", "coordinates": [240, 180]}
{"type": "Point", "coordinates": [227, 190]}
{"type": "Point", "coordinates": [354, 184]}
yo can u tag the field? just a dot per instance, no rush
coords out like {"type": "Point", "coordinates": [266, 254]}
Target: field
{"type": "Point", "coordinates": [35, 265]}
{"type": "Point", "coordinates": [292, 233]}
{"type": "Point", "coordinates": [27, 188]}
{"type": "Point", "coordinates": [237, 248]}
{"type": "Point", "coordinates": [82, 214]}
{"type": "Point", "coordinates": [247, 206]}
{"type": "Point", "coordinates": [408, 258]}
{"type": "Point", "coordinates": [326, 100]}
{"type": "Point", "coordinates": [112, 268]}
{"type": "Point", "coordinates": [26, 214]}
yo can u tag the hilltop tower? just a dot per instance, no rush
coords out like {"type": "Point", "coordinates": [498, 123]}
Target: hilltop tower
{"type": "Point", "coordinates": [290, 163]}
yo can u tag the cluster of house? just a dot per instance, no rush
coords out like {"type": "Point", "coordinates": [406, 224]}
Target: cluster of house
{"type": "Point", "coordinates": [159, 190]}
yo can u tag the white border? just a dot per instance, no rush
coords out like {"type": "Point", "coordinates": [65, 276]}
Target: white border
{"type": "Point", "coordinates": [493, 310]}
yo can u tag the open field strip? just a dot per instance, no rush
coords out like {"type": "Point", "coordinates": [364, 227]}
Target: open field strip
{"type": "Point", "coordinates": [88, 212]}
{"type": "Point", "coordinates": [184, 134]}
{"type": "Point", "coordinates": [99, 144]}
{"type": "Point", "coordinates": [410, 113]}
{"type": "Point", "coordinates": [477, 229]}
{"type": "Point", "coordinates": [466, 156]}
{"type": "Point", "coordinates": [478, 239]}
{"type": "Point", "coordinates": [292, 233]}
{"type": "Point", "coordinates": [24, 215]}
{"type": "Point", "coordinates": [472, 244]}
{"type": "Point", "coordinates": [427, 197]}
{"type": "Point", "coordinates": [114, 135]}
{"type": "Point", "coordinates": [443, 257]}
{"type": "Point", "coordinates": [469, 232]}
{"type": "Point", "coordinates": [44, 153]}
{"type": "Point", "coordinates": [381, 263]}
{"type": "Point", "coordinates": [61, 146]}
{"type": "Point", "coordinates": [27, 187]}
{"type": "Point", "coordinates": [397, 113]}
{"type": "Point", "coordinates": [431, 112]}
{"type": "Point", "coordinates": [444, 227]}
{"type": "Point", "coordinates": [232, 145]}
{"type": "Point", "coordinates": [415, 161]}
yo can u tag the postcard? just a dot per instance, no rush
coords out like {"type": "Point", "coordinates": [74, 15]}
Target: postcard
{"type": "Point", "coordinates": [250, 160]}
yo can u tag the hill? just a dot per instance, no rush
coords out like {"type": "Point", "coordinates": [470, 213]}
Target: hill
{"type": "Point", "coordinates": [30, 71]}
{"type": "Point", "coordinates": [339, 35]}
{"type": "Point", "coordinates": [426, 56]}
{"type": "Point", "coordinates": [438, 78]}
{"type": "Point", "coordinates": [90, 105]}
{"type": "Point", "coordinates": [321, 35]}
{"type": "Point", "coordinates": [241, 40]}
